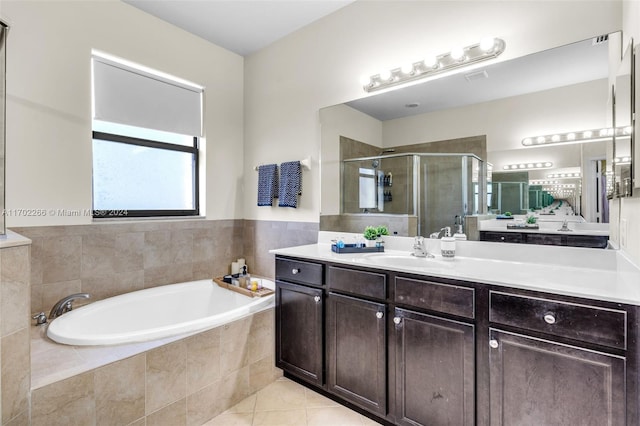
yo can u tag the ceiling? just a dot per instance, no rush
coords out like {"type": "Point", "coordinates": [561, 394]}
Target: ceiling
{"type": "Point", "coordinates": [241, 26]}
{"type": "Point", "coordinates": [571, 64]}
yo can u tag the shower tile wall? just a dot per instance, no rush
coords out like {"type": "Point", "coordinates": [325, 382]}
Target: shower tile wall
{"type": "Point", "coordinates": [15, 338]}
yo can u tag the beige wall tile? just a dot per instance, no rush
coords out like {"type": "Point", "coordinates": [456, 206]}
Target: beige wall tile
{"type": "Point", "coordinates": [139, 422]}
{"type": "Point", "coordinates": [113, 284]}
{"type": "Point", "coordinates": [234, 345]}
{"type": "Point", "coordinates": [129, 252]}
{"type": "Point", "coordinates": [204, 404]}
{"type": "Point", "coordinates": [61, 258]}
{"type": "Point", "coordinates": [166, 377]}
{"type": "Point", "coordinates": [120, 391]}
{"type": "Point", "coordinates": [21, 419]}
{"type": "Point", "coordinates": [172, 415]}
{"type": "Point", "coordinates": [64, 403]}
{"type": "Point", "coordinates": [262, 373]}
{"type": "Point", "coordinates": [52, 292]}
{"type": "Point", "coordinates": [234, 388]}
{"type": "Point", "coordinates": [98, 253]}
{"type": "Point", "coordinates": [203, 360]}
{"type": "Point", "coordinates": [16, 373]}
{"type": "Point", "coordinates": [168, 274]}
{"type": "Point", "coordinates": [15, 292]}
{"type": "Point", "coordinates": [261, 336]}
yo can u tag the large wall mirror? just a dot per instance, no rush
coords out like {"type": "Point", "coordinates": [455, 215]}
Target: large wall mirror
{"type": "Point", "coordinates": [546, 119]}
{"type": "Point", "coordinates": [3, 37]}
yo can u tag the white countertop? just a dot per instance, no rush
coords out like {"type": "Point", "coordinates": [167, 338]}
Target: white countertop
{"type": "Point", "coordinates": [12, 239]}
{"type": "Point", "coordinates": [598, 274]}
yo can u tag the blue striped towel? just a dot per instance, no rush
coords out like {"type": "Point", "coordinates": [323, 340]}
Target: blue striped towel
{"type": "Point", "coordinates": [290, 184]}
{"type": "Point", "coordinates": [267, 184]}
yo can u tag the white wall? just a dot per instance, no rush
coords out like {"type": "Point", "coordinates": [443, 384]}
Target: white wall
{"type": "Point", "coordinates": [341, 120]}
{"type": "Point", "coordinates": [321, 65]}
{"type": "Point", "coordinates": [49, 101]}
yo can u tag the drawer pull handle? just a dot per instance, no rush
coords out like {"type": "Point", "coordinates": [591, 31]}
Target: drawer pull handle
{"type": "Point", "coordinates": [295, 271]}
{"type": "Point", "coordinates": [550, 319]}
{"type": "Point", "coordinates": [397, 320]}
{"type": "Point", "coordinates": [316, 299]}
{"type": "Point", "coordinates": [493, 343]}
{"type": "Point", "coordinates": [379, 315]}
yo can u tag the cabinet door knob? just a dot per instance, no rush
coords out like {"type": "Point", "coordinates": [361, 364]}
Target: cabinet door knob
{"type": "Point", "coordinates": [550, 318]}
{"type": "Point", "coordinates": [397, 320]}
{"type": "Point", "coordinates": [502, 238]}
{"type": "Point", "coordinates": [379, 315]}
{"type": "Point", "coordinates": [493, 343]}
{"type": "Point", "coordinates": [295, 271]}
{"type": "Point", "coordinates": [316, 299]}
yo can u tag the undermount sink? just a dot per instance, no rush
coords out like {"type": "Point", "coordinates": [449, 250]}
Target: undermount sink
{"type": "Point", "coordinates": [407, 260]}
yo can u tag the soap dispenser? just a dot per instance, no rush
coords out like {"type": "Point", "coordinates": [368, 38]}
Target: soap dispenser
{"type": "Point", "coordinates": [448, 244]}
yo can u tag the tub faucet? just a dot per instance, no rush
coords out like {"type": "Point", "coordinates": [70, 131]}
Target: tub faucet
{"type": "Point", "coordinates": [65, 304]}
{"type": "Point", "coordinates": [419, 248]}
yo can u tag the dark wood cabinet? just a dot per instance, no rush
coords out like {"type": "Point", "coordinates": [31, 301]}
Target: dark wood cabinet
{"type": "Point", "coordinates": [435, 373]}
{"type": "Point", "coordinates": [589, 241]}
{"type": "Point", "coordinates": [411, 349]}
{"type": "Point", "coordinates": [356, 351]}
{"type": "Point", "coordinates": [542, 382]}
{"type": "Point", "coordinates": [299, 331]}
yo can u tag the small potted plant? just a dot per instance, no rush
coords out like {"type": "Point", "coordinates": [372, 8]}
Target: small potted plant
{"type": "Point", "coordinates": [531, 220]}
{"type": "Point", "coordinates": [370, 235]}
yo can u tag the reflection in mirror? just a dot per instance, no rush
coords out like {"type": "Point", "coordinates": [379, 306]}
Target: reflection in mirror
{"type": "Point", "coordinates": [622, 121]}
{"type": "Point", "coordinates": [3, 36]}
{"type": "Point", "coordinates": [559, 90]}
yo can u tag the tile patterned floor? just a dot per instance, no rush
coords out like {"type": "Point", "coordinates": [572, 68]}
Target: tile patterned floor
{"type": "Point", "coordinates": [284, 403]}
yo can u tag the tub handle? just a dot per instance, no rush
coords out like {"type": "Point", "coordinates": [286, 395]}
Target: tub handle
{"type": "Point", "coordinates": [40, 317]}
{"type": "Point", "coordinates": [316, 299]}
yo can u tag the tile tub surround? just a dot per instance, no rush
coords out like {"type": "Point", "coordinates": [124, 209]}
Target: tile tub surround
{"type": "Point", "coordinates": [14, 329]}
{"type": "Point", "coordinates": [183, 382]}
{"type": "Point", "coordinates": [107, 259]}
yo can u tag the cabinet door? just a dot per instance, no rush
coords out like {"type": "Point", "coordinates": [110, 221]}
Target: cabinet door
{"type": "Point", "coordinates": [299, 331]}
{"type": "Point", "coordinates": [356, 350]}
{"type": "Point", "coordinates": [540, 382]}
{"type": "Point", "coordinates": [435, 376]}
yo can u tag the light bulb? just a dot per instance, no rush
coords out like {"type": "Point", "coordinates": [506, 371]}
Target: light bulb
{"type": "Point", "coordinates": [548, 164]}
{"type": "Point", "coordinates": [365, 80]}
{"type": "Point", "coordinates": [571, 136]}
{"type": "Point", "coordinates": [514, 166]}
{"type": "Point", "coordinates": [407, 69]}
{"type": "Point", "coordinates": [587, 134]}
{"type": "Point", "coordinates": [555, 138]}
{"type": "Point", "coordinates": [430, 62]}
{"type": "Point", "coordinates": [530, 166]}
{"type": "Point", "coordinates": [385, 75]}
{"type": "Point", "coordinates": [457, 53]}
{"type": "Point", "coordinates": [603, 132]}
{"type": "Point", "coordinates": [541, 139]}
{"type": "Point", "coordinates": [527, 141]}
{"type": "Point", "coordinates": [487, 44]}
{"type": "Point", "coordinates": [627, 130]}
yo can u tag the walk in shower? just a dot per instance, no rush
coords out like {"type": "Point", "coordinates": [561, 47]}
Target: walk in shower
{"type": "Point", "coordinates": [429, 189]}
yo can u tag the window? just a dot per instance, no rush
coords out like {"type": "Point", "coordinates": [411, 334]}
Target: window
{"type": "Point", "coordinates": [146, 135]}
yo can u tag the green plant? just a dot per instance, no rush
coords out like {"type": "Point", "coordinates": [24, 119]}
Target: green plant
{"type": "Point", "coordinates": [531, 219]}
{"type": "Point", "coordinates": [507, 213]}
{"type": "Point", "coordinates": [370, 233]}
{"type": "Point", "coordinates": [382, 230]}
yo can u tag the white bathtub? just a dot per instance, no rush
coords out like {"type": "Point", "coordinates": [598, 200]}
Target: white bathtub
{"type": "Point", "coordinates": [154, 313]}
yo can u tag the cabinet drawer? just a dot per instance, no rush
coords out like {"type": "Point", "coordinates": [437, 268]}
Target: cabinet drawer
{"type": "Point", "coordinates": [504, 237]}
{"type": "Point", "coordinates": [544, 239]}
{"type": "Point", "coordinates": [298, 271]}
{"type": "Point", "coordinates": [574, 321]}
{"type": "Point", "coordinates": [446, 298]}
{"type": "Point", "coordinates": [368, 284]}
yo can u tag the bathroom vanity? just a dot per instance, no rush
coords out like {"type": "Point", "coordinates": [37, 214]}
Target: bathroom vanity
{"type": "Point", "coordinates": [473, 341]}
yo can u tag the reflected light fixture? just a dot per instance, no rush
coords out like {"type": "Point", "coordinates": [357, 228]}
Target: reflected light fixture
{"type": "Point", "coordinates": [591, 135]}
{"type": "Point", "coordinates": [488, 48]}
{"type": "Point", "coordinates": [563, 175]}
{"type": "Point", "coordinates": [528, 166]}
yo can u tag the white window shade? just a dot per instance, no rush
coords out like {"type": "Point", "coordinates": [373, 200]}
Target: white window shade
{"type": "Point", "coordinates": [134, 97]}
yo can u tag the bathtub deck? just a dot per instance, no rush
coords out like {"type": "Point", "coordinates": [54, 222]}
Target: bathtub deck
{"type": "Point", "coordinates": [51, 361]}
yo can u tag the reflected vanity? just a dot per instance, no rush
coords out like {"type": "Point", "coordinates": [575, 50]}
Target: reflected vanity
{"type": "Point", "coordinates": [501, 105]}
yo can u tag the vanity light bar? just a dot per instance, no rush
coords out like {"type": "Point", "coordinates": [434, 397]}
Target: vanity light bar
{"type": "Point", "coordinates": [592, 135]}
{"type": "Point", "coordinates": [488, 48]}
{"type": "Point", "coordinates": [543, 182]}
{"type": "Point", "coordinates": [563, 175]}
{"type": "Point", "coordinates": [528, 166]}
{"type": "Point", "coordinates": [622, 160]}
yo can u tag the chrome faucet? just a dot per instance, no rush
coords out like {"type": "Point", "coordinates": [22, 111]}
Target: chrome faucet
{"type": "Point", "coordinates": [419, 248]}
{"type": "Point", "coordinates": [65, 304]}
{"type": "Point", "coordinates": [565, 226]}
{"type": "Point", "coordinates": [446, 232]}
